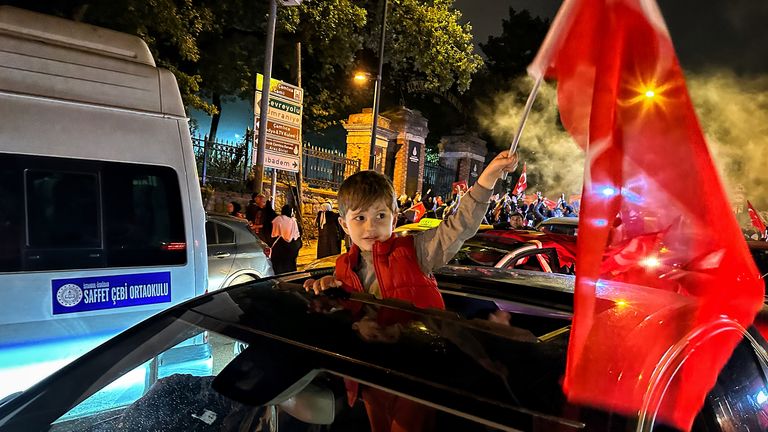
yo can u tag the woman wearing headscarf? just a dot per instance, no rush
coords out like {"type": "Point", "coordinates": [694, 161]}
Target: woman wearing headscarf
{"type": "Point", "coordinates": [287, 243]}
{"type": "Point", "coordinates": [329, 232]}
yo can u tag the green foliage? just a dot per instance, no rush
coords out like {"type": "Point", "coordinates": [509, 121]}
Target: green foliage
{"type": "Point", "coordinates": [427, 39]}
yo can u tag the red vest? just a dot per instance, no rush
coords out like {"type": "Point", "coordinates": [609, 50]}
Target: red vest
{"type": "Point", "coordinates": [397, 271]}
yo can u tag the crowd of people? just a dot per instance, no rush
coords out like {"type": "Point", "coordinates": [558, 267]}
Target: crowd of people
{"type": "Point", "coordinates": [280, 232]}
{"type": "Point", "coordinates": [504, 211]}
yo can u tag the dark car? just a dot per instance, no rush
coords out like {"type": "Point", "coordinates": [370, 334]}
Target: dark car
{"type": "Point", "coordinates": [235, 254]}
{"type": "Point", "coordinates": [452, 371]}
{"type": "Point", "coordinates": [520, 249]}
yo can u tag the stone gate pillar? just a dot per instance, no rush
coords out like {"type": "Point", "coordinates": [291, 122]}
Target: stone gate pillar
{"type": "Point", "coordinates": [358, 128]}
{"type": "Point", "coordinates": [408, 150]}
{"type": "Point", "coordinates": [465, 153]}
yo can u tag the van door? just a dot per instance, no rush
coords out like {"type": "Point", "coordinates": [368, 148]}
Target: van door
{"type": "Point", "coordinates": [221, 253]}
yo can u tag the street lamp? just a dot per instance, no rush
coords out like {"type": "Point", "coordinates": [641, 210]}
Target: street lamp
{"type": "Point", "coordinates": [377, 87]}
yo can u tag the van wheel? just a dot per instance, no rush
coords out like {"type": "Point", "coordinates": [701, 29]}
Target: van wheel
{"type": "Point", "coordinates": [242, 279]}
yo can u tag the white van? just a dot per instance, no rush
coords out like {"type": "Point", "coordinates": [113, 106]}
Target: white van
{"type": "Point", "coordinates": [101, 218]}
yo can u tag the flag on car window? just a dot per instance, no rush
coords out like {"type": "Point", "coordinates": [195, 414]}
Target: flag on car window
{"type": "Point", "coordinates": [665, 280]}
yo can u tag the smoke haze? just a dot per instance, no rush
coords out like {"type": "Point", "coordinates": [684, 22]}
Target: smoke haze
{"type": "Point", "coordinates": [733, 112]}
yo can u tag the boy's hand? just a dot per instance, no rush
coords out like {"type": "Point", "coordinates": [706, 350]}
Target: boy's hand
{"type": "Point", "coordinates": [500, 164]}
{"type": "Point", "coordinates": [321, 284]}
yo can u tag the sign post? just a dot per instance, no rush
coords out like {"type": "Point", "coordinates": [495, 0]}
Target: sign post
{"type": "Point", "coordinates": [282, 149]}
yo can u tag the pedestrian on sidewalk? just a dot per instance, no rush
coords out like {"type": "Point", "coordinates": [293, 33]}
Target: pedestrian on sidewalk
{"type": "Point", "coordinates": [329, 232]}
{"type": "Point", "coordinates": [286, 247]}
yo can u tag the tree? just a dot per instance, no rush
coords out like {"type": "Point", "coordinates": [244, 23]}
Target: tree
{"type": "Point", "coordinates": [425, 41]}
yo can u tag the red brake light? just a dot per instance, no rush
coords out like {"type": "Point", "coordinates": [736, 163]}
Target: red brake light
{"type": "Point", "coordinates": [268, 252]}
{"type": "Point", "coordinates": [174, 246]}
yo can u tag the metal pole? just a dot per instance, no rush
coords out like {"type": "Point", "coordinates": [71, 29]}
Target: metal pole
{"type": "Point", "coordinates": [526, 113]}
{"type": "Point", "coordinates": [377, 87]}
{"type": "Point", "coordinates": [274, 187]}
{"type": "Point", "coordinates": [259, 180]}
{"type": "Point", "coordinates": [205, 158]}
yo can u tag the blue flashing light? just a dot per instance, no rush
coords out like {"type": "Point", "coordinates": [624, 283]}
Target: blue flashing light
{"type": "Point", "coordinates": [761, 397]}
{"type": "Point", "coordinates": [600, 222]}
{"type": "Point", "coordinates": [608, 191]}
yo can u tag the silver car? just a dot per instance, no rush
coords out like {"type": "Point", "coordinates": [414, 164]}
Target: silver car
{"type": "Point", "coordinates": [235, 254]}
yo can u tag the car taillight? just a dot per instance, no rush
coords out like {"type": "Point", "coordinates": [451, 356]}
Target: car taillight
{"type": "Point", "coordinates": [174, 246]}
{"type": "Point", "coordinates": [268, 252]}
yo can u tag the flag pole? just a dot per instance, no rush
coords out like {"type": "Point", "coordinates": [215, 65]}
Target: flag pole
{"type": "Point", "coordinates": [526, 113]}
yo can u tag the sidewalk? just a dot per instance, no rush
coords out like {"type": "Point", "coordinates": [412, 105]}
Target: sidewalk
{"type": "Point", "coordinates": [307, 254]}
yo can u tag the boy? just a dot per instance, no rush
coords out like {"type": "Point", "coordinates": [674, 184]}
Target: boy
{"type": "Point", "coordinates": [401, 267]}
{"type": "Point", "coordinates": [387, 266]}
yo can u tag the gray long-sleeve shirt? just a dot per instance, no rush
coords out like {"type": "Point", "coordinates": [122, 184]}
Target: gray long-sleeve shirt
{"type": "Point", "coordinates": [435, 247]}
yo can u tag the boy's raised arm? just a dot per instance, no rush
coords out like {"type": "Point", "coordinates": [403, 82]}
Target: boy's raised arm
{"type": "Point", "coordinates": [436, 247]}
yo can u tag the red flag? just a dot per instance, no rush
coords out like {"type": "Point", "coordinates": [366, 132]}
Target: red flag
{"type": "Point", "coordinates": [522, 183]}
{"type": "Point", "coordinates": [459, 186]}
{"type": "Point", "coordinates": [549, 203]}
{"type": "Point", "coordinates": [757, 221]}
{"type": "Point", "coordinates": [644, 335]}
{"type": "Point", "coordinates": [418, 211]}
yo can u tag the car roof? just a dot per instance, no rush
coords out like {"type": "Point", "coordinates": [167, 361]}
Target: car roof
{"type": "Point", "coordinates": [572, 221]}
{"type": "Point", "coordinates": [308, 334]}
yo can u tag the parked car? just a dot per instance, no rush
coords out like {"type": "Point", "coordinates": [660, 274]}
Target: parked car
{"type": "Point", "coordinates": [466, 374]}
{"type": "Point", "coordinates": [520, 249]}
{"type": "Point", "coordinates": [559, 225]}
{"type": "Point", "coordinates": [235, 254]}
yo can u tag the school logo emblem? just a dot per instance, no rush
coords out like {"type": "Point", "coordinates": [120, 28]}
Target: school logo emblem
{"type": "Point", "coordinates": [69, 295]}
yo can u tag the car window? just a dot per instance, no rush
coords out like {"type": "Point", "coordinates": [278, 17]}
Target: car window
{"type": "Point", "coordinates": [58, 213]}
{"type": "Point", "coordinates": [226, 235]}
{"type": "Point", "coordinates": [538, 260]}
{"type": "Point", "coordinates": [471, 254]}
{"type": "Point", "coordinates": [210, 233]}
{"type": "Point", "coordinates": [175, 391]}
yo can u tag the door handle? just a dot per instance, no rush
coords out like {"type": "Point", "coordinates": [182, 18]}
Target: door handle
{"type": "Point", "coordinates": [221, 254]}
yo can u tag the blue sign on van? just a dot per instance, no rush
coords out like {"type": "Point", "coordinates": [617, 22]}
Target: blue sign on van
{"type": "Point", "coordinates": [109, 292]}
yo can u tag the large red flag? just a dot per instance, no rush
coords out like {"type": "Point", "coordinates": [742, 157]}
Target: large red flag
{"type": "Point", "coordinates": [665, 280]}
{"type": "Point", "coordinates": [522, 183]}
{"type": "Point", "coordinates": [757, 221]}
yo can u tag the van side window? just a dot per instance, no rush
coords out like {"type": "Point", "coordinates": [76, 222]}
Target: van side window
{"type": "Point", "coordinates": [62, 210]}
{"type": "Point", "coordinates": [11, 216]}
{"type": "Point", "coordinates": [80, 214]}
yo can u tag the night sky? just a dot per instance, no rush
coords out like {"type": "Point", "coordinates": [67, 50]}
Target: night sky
{"type": "Point", "coordinates": [708, 34]}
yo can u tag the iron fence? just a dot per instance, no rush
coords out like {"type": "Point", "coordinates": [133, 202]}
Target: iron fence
{"type": "Point", "coordinates": [438, 178]}
{"type": "Point", "coordinates": [218, 162]}
{"type": "Point", "coordinates": [326, 169]}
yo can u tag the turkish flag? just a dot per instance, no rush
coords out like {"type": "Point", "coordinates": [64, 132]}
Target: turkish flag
{"type": "Point", "coordinates": [665, 278]}
{"type": "Point", "coordinates": [418, 211]}
{"type": "Point", "coordinates": [522, 183]}
{"type": "Point", "coordinates": [757, 221]}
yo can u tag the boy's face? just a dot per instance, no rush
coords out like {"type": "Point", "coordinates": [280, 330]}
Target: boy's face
{"type": "Point", "coordinates": [369, 225]}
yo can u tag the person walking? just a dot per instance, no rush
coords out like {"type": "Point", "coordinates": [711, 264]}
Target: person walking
{"type": "Point", "coordinates": [329, 232]}
{"type": "Point", "coordinates": [287, 243]}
